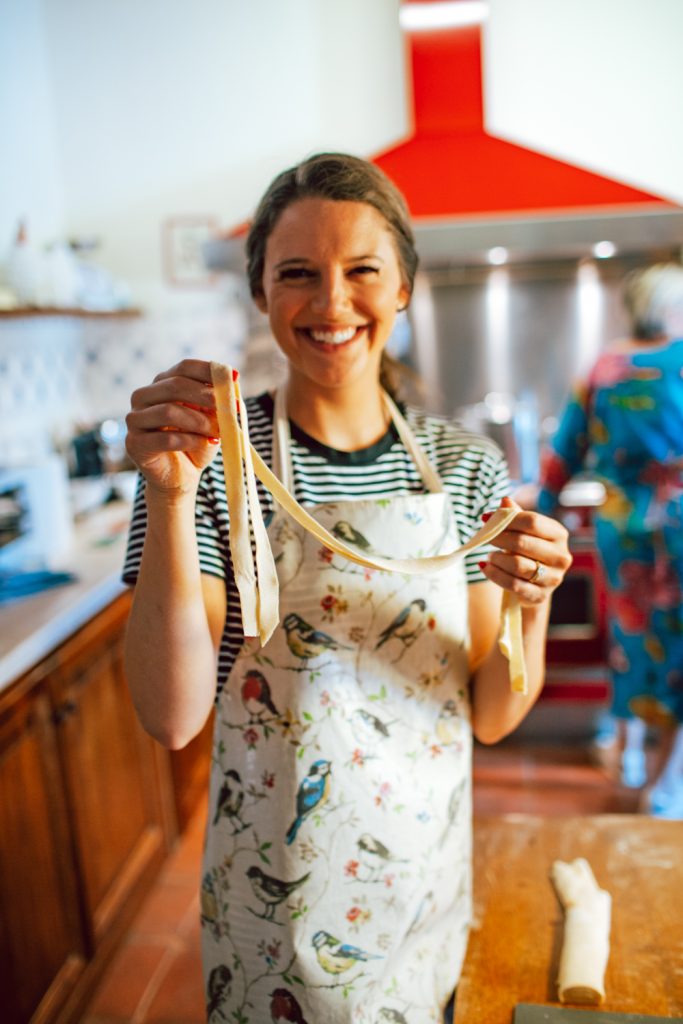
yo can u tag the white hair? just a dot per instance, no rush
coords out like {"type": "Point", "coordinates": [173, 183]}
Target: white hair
{"type": "Point", "coordinates": [654, 300]}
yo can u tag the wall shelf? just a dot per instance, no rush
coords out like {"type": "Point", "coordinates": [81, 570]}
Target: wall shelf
{"type": "Point", "coordinates": [28, 312]}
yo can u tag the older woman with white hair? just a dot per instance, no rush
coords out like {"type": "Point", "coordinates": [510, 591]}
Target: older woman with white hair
{"type": "Point", "coordinates": [625, 424]}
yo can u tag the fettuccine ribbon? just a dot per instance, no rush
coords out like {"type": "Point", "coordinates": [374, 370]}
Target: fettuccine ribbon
{"type": "Point", "coordinates": [254, 569]}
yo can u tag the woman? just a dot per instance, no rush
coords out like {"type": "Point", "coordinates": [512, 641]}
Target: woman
{"type": "Point", "coordinates": [336, 877]}
{"type": "Point", "coordinates": [626, 424]}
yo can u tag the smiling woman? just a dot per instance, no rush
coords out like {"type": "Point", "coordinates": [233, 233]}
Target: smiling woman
{"type": "Point", "coordinates": [342, 187]}
{"type": "Point", "coordinates": [332, 307]}
{"type": "Point", "coordinates": [350, 728]}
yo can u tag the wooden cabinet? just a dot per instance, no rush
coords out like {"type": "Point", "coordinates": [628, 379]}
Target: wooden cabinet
{"type": "Point", "coordinates": [86, 818]}
{"type": "Point", "coordinates": [42, 946]}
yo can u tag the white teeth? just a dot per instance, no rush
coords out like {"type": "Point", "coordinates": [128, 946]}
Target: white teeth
{"type": "Point", "coordinates": [334, 337]}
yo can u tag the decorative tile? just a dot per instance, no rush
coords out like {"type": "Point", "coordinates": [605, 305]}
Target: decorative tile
{"type": "Point", "coordinates": [58, 373]}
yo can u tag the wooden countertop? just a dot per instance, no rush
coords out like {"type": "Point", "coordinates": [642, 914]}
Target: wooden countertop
{"type": "Point", "coordinates": [517, 931]}
{"type": "Point", "coordinates": [32, 627]}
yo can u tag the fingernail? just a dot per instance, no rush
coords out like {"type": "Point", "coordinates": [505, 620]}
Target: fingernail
{"type": "Point", "coordinates": [486, 516]}
{"type": "Point", "coordinates": [482, 565]}
{"type": "Point", "coordinates": [213, 440]}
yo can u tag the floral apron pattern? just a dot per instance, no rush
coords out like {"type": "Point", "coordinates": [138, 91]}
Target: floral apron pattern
{"type": "Point", "coordinates": [336, 876]}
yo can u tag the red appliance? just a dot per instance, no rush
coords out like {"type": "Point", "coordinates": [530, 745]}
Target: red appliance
{"type": "Point", "coordinates": [576, 651]}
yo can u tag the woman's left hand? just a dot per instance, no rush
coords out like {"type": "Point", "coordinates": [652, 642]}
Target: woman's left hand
{"type": "Point", "coordinates": [533, 556]}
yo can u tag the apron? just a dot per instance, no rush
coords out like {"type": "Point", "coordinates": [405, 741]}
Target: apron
{"type": "Point", "coordinates": [336, 881]}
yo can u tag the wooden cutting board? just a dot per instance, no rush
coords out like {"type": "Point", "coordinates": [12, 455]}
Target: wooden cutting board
{"type": "Point", "coordinates": [516, 938]}
{"type": "Point", "coordinates": [527, 1014]}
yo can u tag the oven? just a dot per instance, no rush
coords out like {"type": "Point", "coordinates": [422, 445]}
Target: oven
{"type": "Point", "coordinates": [577, 689]}
{"type": "Point", "coordinates": [576, 649]}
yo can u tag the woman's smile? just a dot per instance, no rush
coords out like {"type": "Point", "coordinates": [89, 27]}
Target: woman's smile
{"type": "Point", "coordinates": [331, 338]}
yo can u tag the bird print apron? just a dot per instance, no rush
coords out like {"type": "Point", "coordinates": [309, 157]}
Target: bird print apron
{"type": "Point", "coordinates": [336, 876]}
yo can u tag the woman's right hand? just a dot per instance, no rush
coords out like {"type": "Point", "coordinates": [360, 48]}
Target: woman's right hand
{"type": "Point", "coordinates": [173, 428]}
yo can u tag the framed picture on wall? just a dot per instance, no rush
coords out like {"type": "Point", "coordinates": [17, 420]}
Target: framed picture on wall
{"type": "Point", "coordinates": [183, 239]}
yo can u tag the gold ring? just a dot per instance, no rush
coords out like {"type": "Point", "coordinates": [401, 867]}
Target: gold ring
{"type": "Point", "coordinates": [539, 573]}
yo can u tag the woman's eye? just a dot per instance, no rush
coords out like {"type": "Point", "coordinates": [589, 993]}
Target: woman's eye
{"type": "Point", "coordinates": [294, 274]}
{"type": "Point", "coordinates": [364, 270]}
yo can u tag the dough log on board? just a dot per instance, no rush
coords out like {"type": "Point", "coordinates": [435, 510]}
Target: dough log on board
{"type": "Point", "coordinates": [585, 947]}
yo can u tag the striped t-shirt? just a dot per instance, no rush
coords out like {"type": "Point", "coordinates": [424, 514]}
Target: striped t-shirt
{"type": "Point", "coordinates": [471, 467]}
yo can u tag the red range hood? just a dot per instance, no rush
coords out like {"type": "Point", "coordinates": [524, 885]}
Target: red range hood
{"type": "Point", "coordinates": [450, 167]}
{"type": "Point", "coordinates": [468, 190]}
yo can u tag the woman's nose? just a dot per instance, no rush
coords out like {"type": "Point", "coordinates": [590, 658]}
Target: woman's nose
{"type": "Point", "coordinates": [331, 294]}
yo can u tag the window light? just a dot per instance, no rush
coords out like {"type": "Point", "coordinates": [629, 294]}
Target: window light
{"type": "Point", "coordinates": [455, 14]}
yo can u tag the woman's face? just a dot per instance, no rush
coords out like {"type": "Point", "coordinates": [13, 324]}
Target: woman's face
{"type": "Point", "coordinates": [331, 288]}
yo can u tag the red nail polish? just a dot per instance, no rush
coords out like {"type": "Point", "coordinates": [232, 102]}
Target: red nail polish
{"type": "Point", "coordinates": [212, 440]}
{"type": "Point", "coordinates": [482, 565]}
{"type": "Point", "coordinates": [486, 516]}
{"type": "Point", "coordinates": [235, 374]}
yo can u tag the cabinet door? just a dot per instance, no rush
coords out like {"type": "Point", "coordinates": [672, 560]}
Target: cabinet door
{"type": "Point", "coordinates": [112, 778]}
{"type": "Point", "coordinates": [41, 947]}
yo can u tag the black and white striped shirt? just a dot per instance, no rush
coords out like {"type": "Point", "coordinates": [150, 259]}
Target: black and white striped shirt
{"type": "Point", "coordinates": [471, 467]}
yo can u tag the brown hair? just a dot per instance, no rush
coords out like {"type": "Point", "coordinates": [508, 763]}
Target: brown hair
{"type": "Point", "coordinates": [339, 177]}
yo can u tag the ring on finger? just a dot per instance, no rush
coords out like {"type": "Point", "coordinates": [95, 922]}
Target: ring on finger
{"type": "Point", "coordinates": [539, 573]}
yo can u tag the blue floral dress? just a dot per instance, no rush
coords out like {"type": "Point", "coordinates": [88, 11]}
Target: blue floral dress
{"type": "Point", "coordinates": [625, 425]}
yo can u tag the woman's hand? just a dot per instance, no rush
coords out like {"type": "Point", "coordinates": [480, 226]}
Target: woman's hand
{"type": "Point", "coordinates": [533, 557]}
{"type": "Point", "coordinates": [173, 429]}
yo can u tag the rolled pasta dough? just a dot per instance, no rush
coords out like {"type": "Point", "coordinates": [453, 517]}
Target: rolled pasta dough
{"type": "Point", "coordinates": [585, 946]}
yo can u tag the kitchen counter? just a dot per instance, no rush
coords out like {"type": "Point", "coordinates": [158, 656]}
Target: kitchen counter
{"type": "Point", "coordinates": [516, 938]}
{"type": "Point", "coordinates": [33, 626]}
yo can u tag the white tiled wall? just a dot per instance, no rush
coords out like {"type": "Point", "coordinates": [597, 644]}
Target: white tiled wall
{"type": "Point", "coordinates": [119, 356]}
{"type": "Point", "coordinates": [59, 373]}
{"type": "Point", "coordinates": [41, 385]}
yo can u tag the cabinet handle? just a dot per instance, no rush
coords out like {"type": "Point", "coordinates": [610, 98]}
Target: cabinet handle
{"type": "Point", "coordinates": [69, 707]}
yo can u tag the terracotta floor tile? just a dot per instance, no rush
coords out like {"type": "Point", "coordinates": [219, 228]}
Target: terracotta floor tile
{"type": "Point", "coordinates": [179, 998]}
{"type": "Point", "coordinates": [165, 910]}
{"type": "Point", "coordinates": [126, 981]}
{"type": "Point", "coordinates": [546, 779]}
{"type": "Point", "coordinates": [185, 861]}
{"type": "Point", "coordinates": [98, 1019]}
{"type": "Point", "coordinates": [190, 930]}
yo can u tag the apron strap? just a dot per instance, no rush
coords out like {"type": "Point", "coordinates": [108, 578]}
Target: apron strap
{"type": "Point", "coordinates": [430, 477]}
{"type": "Point", "coordinates": [282, 462]}
{"type": "Point", "coordinates": [282, 458]}
{"type": "Point", "coordinates": [258, 589]}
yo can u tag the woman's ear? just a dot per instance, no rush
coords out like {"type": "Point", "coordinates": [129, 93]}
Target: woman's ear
{"type": "Point", "coordinates": [403, 298]}
{"type": "Point", "coordinates": [260, 302]}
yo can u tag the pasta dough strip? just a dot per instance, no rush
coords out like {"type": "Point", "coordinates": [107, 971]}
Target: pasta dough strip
{"type": "Point", "coordinates": [258, 586]}
{"type": "Point", "coordinates": [236, 496]}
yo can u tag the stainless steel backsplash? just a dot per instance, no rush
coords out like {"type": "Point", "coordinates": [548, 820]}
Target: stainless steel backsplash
{"type": "Point", "coordinates": [509, 329]}
{"type": "Point", "coordinates": [498, 347]}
